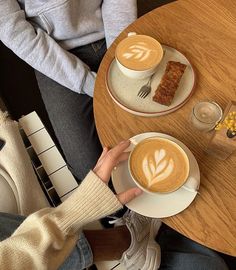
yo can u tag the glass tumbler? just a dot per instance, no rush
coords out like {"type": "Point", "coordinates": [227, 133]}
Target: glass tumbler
{"type": "Point", "coordinates": [205, 115]}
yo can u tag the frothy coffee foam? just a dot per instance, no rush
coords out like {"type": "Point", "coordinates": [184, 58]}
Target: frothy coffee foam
{"type": "Point", "coordinates": [139, 52]}
{"type": "Point", "coordinates": [159, 165]}
{"type": "Point", "coordinates": [157, 168]}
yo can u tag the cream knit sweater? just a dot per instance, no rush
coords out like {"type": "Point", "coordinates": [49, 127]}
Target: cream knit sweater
{"type": "Point", "coordinates": [47, 237]}
{"type": "Point", "coordinates": [17, 170]}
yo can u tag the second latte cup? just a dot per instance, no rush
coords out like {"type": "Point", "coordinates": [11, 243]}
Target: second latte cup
{"type": "Point", "coordinates": [138, 56]}
{"type": "Point", "coordinates": [158, 165]}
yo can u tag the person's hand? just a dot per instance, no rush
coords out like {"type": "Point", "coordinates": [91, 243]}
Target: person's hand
{"type": "Point", "coordinates": [107, 161]}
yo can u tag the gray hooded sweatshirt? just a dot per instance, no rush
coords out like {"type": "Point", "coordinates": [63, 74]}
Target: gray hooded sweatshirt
{"type": "Point", "coordinates": [41, 31]}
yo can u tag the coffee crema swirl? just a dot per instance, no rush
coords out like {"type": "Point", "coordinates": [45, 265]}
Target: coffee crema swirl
{"type": "Point", "coordinates": [159, 165]}
{"type": "Point", "coordinates": [139, 52]}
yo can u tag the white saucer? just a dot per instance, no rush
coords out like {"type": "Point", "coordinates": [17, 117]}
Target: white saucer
{"type": "Point", "coordinates": [123, 90]}
{"type": "Point", "coordinates": [157, 205]}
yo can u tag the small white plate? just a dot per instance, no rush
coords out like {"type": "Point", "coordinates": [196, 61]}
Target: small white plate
{"type": "Point", "coordinates": [157, 205]}
{"type": "Point", "coordinates": [123, 90]}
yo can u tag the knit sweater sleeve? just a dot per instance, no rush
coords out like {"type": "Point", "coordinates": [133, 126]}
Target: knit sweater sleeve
{"type": "Point", "coordinates": [117, 15]}
{"type": "Point", "coordinates": [42, 52]}
{"type": "Point", "coordinates": [47, 237]}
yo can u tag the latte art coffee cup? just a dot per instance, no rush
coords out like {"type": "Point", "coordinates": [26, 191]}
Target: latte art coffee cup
{"type": "Point", "coordinates": [138, 56]}
{"type": "Point", "coordinates": [158, 165]}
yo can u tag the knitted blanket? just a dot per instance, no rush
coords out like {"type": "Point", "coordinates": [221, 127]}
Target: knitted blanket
{"type": "Point", "coordinates": [17, 170]}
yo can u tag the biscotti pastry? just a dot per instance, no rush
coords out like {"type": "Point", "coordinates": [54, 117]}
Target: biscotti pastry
{"type": "Point", "coordinates": [169, 83]}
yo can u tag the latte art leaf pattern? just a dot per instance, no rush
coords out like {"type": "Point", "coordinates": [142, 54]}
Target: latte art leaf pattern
{"type": "Point", "coordinates": [139, 52]}
{"type": "Point", "coordinates": [157, 167]}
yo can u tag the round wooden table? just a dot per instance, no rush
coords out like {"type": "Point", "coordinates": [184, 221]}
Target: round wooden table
{"type": "Point", "coordinates": [205, 31]}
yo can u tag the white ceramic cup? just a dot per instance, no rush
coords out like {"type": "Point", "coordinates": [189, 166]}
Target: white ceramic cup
{"type": "Point", "coordinates": [153, 192]}
{"type": "Point", "coordinates": [140, 74]}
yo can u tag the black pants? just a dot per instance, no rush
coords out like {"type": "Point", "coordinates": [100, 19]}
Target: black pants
{"type": "Point", "coordinates": [71, 114]}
